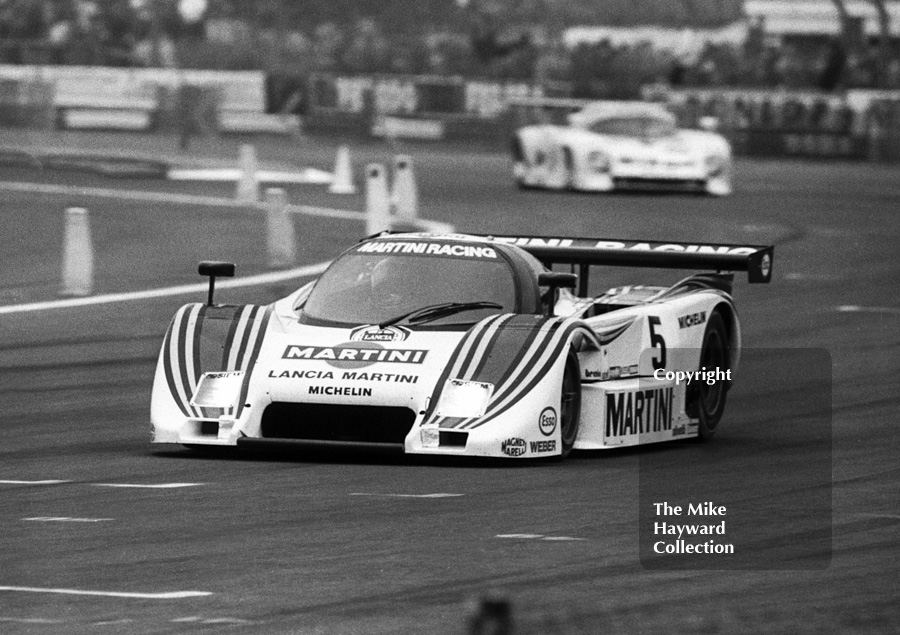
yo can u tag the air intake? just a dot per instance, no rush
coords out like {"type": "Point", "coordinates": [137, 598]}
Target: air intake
{"type": "Point", "coordinates": [337, 422]}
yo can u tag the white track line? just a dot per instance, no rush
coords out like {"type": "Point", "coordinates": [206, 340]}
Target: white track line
{"type": "Point", "coordinates": [210, 620]}
{"type": "Point", "coordinates": [52, 482]}
{"type": "Point", "coordinates": [165, 197]}
{"type": "Point", "coordinates": [852, 308]}
{"type": "Point", "coordinates": [186, 289]}
{"type": "Point", "coordinates": [66, 519]}
{"type": "Point", "coordinates": [171, 595]}
{"type": "Point", "coordinates": [148, 486]}
{"type": "Point", "coordinates": [124, 620]}
{"type": "Point", "coordinates": [438, 495]}
{"type": "Point", "coordinates": [306, 176]}
{"type": "Point", "coordinates": [539, 537]}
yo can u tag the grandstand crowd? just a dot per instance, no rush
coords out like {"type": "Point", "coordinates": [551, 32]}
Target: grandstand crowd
{"type": "Point", "coordinates": [472, 38]}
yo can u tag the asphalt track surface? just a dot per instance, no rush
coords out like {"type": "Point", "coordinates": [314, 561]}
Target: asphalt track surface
{"type": "Point", "coordinates": [365, 544]}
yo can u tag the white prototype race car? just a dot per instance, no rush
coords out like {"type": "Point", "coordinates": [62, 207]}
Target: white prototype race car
{"type": "Point", "coordinates": [461, 345]}
{"type": "Point", "coordinates": [608, 145]}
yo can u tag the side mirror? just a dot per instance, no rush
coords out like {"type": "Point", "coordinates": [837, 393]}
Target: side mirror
{"type": "Point", "coordinates": [215, 269]}
{"type": "Point", "coordinates": [556, 280]}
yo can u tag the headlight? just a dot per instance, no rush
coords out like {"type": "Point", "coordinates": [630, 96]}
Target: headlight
{"type": "Point", "coordinates": [715, 164]}
{"type": "Point", "coordinates": [431, 436]}
{"type": "Point", "coordinates": [218, 390]}
{"type": "Point", "coordinates": [599, 161]}
{"type": "Point", "coordinates": [462, 398]}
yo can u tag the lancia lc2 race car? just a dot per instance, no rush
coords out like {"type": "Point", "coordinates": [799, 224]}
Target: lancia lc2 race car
{"type": "Point", "coordinates": [461, 345]}
{"type": "Point", "coordinates": [607, 145]}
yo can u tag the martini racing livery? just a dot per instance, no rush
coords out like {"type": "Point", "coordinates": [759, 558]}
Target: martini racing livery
{"type": "Point", "coordinates": [608, 145]}
{"type": "Point", "coordinates": [462, 345]}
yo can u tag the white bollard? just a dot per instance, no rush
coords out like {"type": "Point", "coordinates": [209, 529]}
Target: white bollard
{"type": "Point", "coordinates": [343, 173]}
{"type": "Point", "coordinates": [248, 181]}
{"type": "Point", "coordinates": [378, 207]}
{"type": "Point", "coordinates": [78, 254]}
{"type": "Point", "coordinates": [280, 239]}
{"type": "Point", "coordinates": [405, 194]}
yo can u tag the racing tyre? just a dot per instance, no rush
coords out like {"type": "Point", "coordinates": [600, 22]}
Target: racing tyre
{"type": "Point", "coordinates": [520, 163]}
{"type": "Point", "coordinates": [570, 405]}
{"type": "Point", "coordinates": [569, 168]}
{"type": "Point", "coordinates": [709, 400]}
{"type": "Point", "coordinates": [518, 153]}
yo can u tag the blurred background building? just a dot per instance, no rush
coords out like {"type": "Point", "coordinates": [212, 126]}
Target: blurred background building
{"type": "Point", "coordinates": [808, 77]}
{"type": "Point", "coordinates": [585, 48]}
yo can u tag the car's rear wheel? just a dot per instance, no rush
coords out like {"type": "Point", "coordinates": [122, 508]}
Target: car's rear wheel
{"type": "Point", "coordinates": [570, 405]}
{"type": "Point", "coordinates": [571, 178]}
{"type": "Point", "coordinates": [518, 152]}
{"type": "Point", "coordinates": [707, 400]}
{"type": "Point", "coordinates": [520, 163]}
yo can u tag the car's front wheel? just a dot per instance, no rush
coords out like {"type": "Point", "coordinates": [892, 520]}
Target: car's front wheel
{"type": "Point", "coordinates": [570, 404]}
{"type": "Point", "coordinates": [707, 401]}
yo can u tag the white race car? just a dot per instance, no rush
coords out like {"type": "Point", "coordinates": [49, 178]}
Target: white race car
{"type": "Point", "coordinates": [607, 145]}
{"type": "Point", "coordinates": [461, 345]}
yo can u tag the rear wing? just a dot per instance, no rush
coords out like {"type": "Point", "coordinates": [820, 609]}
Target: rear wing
{"type": "Point", "coordinates": [526, 111]}
{"type": "Point", "coordinates": [756, 260]}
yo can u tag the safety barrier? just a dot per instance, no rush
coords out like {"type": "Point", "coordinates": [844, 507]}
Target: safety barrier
{"type": "Point", "coordinates": [415, 95]}
{"type": "Point", "coordinates": [862, 125]}
{"type": "Point", "coordinates": [855, 125]}
{"type": "Point", "coordinates": [421, 107]}
{"type": "Point", "coordinates": [883, 129]}
{"type": "Point", "coordinates": [858, 124]}
{"type": "Point", "coordinates": [26, 104]}
{"type": "Point", "coordinates": [139, 99]}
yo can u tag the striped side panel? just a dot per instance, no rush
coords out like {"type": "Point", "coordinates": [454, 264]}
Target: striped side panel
{"type": "Point", "coordinates": [544, 351]}
{"type": "Point", "coordinates": [505, 351]}
{"type": "Point", "coordinates": [254, 344]}
{"type": "Point", "coordinates": [210, 354]}
{"type": "Point", "coordinates": [175, 361]}
{"type": "Point", "coordinates": [478, 337]}
{"type": "Point", "coordinates": [209, 339]}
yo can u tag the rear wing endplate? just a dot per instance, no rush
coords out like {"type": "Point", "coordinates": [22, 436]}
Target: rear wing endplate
{"type": "Point", "coordinates": [756, 260]}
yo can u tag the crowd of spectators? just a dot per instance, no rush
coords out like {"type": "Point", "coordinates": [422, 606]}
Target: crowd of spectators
{"type": "Point", "coordinates": [468, 44]}
{"type": "Point", "coordinates": [95, 32]}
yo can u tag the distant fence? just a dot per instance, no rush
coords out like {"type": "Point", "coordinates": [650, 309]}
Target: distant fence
{"type": "Point", "coordinates": [26, 104]}
{"type": "Point", "coordinates": [428, 107]}
{"type": "Point", "coordinates": [417, 95]}
{"type": "Point", "coordinates": [135, 98]}
{"type": "Point", "coordinates": [858, 124]}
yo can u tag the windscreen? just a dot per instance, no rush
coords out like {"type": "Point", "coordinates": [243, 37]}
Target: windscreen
{"type": "Point", "coordinates": [634, 126]}
{"type": "Point", "coordinates": [379, 281]}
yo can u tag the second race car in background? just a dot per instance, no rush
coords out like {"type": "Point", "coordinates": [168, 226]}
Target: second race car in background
{"type": "Point", "coordinates": [608, 145]}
